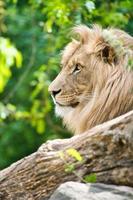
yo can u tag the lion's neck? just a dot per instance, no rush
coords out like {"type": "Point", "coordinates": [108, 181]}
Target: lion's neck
{"type": "Point", "coordinates": [75, 117]}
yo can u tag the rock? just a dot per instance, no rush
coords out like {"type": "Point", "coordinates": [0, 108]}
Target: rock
{"type": "Point", "coordinates": [92, 191]}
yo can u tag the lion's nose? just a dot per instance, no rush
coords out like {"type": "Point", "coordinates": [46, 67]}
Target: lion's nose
{"type": "Point", "coordinates": [55, 92]}
{"type": "Point", "coordinates": [55, 87]}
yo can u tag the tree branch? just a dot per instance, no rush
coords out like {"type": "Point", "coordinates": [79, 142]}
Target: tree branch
{"type": "Point", "coordinates": [107, 151]}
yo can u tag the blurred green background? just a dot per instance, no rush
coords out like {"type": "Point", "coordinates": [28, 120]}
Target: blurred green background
{"type": "Point", "coordinates": [32, 34]}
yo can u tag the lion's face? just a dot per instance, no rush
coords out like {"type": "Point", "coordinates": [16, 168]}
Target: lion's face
{"type": "Point", "coordinates": [82, 68]}
{"type": "Point", "coordinates": [73, 85]}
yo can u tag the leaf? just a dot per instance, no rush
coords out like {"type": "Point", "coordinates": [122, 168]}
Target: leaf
{"type": "Point", "coordinates": [49, 24]}
{"type": "Point", "coordinates": [8, 55]}
{"type": "Point", "coordinates": [130, 64]}
{"type": "Point", "coordinates": [69, 168]}
{"type": "Point", "coordinates": [90, 178]}
{"type": "Point", "coordinates": [90, 6]}
{"type": "Point", "coordinates": [75, 154]}
{"type": "Point", "coordinates": [18, 59]}
{"type": "Point", "coordinates": [40, 126]}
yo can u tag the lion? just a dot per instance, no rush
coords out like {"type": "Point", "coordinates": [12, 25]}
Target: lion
{"type": "Point", "coordinates": [95, 83]}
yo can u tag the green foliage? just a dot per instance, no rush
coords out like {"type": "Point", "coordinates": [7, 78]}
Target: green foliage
{"type": "Point", "coordinates": [75, 154]}
{"type": "Point", "coordinates": [8, 56]}
{"type": "Point", "coordinates": [130, 64]}
{"type": "Point", "coordinates": [72, 153]}
{"type": "Point", "coordinates": [39, 29]}
{"type": "Point", "coordinates": [69, 168]}
{"type": "Point", "coordinates": [91, 178]}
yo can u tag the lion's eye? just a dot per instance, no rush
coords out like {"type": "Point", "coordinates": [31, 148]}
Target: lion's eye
{"type": "Point", "coordinates": [77, 68]}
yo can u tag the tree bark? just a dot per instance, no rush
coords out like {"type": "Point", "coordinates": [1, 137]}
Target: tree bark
{"type": "Point", "coordinates": [107, 151]}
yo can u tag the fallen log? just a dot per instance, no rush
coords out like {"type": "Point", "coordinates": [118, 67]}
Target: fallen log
{"type": "Point", "coordinates": [107, 151]}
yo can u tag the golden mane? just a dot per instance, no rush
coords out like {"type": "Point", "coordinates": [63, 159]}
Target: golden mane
{"type": "Point", "coordinates": [108, 55]}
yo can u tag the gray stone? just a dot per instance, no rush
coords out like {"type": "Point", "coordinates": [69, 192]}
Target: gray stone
{"type": "Point", "coordinates": [92, 191]}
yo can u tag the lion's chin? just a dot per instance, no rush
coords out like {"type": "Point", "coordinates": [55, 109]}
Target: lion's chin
{"type": "Point", "coordinates": [62, 111]}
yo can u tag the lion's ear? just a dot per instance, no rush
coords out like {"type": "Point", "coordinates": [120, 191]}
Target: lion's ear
{"type": "Point", "coordinates": [108, 54]}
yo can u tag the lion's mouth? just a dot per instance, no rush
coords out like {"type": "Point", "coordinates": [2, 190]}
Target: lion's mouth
{"type": "Point", "coordinates": [73, 105]}
{"type": "Point", "coordinates": [66, 101]}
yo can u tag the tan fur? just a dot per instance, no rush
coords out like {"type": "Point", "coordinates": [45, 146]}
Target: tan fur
{"type": "Point", "coordinates": [101, 87]}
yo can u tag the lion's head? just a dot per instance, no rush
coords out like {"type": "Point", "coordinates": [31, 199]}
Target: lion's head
{"type": "Point", "coordinates": [94, 84]}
